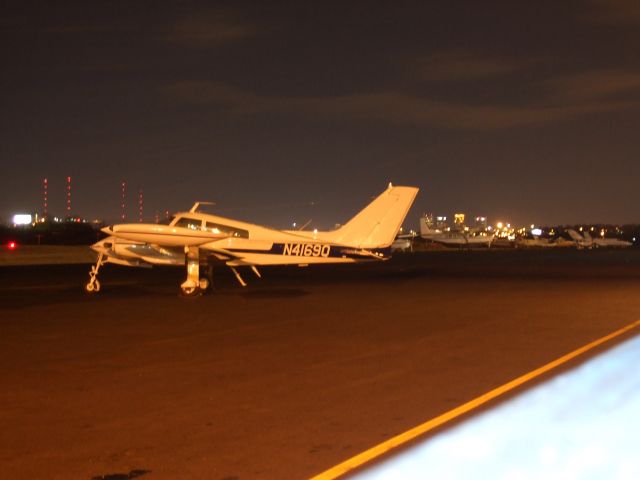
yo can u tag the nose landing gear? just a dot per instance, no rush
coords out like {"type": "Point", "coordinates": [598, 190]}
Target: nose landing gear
{"type": "Point", "coordinates": [94, 285]}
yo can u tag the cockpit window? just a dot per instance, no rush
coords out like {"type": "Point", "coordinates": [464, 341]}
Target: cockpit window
{"type": "Point", "coordinates": [226, 230]}
{"type": "Point", "coordinates": [191, 223]}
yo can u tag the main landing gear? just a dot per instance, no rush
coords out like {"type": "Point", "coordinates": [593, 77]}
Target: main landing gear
{"type": "Point", "coordinates": [194, 285]}
{"type": "Point", "coordinates": [94, 285]}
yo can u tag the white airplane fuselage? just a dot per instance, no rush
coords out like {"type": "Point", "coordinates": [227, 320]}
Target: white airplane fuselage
{"type": "Point", "coordinates": [193, 236]}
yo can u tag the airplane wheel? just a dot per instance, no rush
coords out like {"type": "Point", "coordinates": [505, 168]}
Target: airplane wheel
{"type": "Point", "coordinates": [89, 287]}
{"type": "Point", "coordinates": [204, 284]}
{"type": "Point", "coordinates": [96, 286]}
{"type": "Point", "coordinates": [190, 291]}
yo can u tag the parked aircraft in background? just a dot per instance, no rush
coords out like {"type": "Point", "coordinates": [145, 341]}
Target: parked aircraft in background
{"type": "Point", "coordinates": [455, 238]}
{"type": "Point", "coordinates": [401, 244]}
{"type": "Point", "coordinates": [535, 242]}
{"type": "Point", "coordinates": [194, 238]}
{"type": "Point", "coordinates": [606, 242]}
{"type": "Point", "coordinates": [579, 240]}
{"type": "Point", "coordinates": [587, 241]}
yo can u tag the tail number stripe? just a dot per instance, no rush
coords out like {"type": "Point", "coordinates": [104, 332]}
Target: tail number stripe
{"type": "Point", "coordinates": [306, 250]}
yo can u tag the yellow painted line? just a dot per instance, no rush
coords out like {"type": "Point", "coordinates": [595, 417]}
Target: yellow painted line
{"type": "Point", "coordinates": [384, 447]}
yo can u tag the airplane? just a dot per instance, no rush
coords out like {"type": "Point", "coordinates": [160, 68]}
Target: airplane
{"type": "Point", "coordinates": [401, 244]}
{"type": "Point", "coordinates": [534, 242]}
{"type": "Point", "coordinates": [587, 241]}
{"type": "Point", "coordinates": [607, 242]}
{"type": "Point", "coordinates": [193, 238]}
{"type": "Point", "coordinates": [454, 238]}
{"type": "Point", "coordinates": [580, 241]}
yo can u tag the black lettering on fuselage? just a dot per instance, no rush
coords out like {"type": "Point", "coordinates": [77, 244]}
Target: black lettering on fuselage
{"type": "Point", "coordinates": [306, 250]}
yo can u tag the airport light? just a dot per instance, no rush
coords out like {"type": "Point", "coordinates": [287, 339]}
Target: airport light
{"type": "Point", "coordinates": [22, 219]}
{"type": "Point", "coordinates": [12, 245]}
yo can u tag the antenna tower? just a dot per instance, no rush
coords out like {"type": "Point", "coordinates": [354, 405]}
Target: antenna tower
{"type": "Point", "coordinates": [45, 198]}
{"type": "Point", "coordinates": [68, 195]}
{"type": "Point", "coordinates": [140, 205]}
{"type": "Point", "coordinates": [123, 198]}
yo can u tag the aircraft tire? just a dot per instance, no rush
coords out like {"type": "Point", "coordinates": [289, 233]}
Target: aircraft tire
{"type": "Point", "coordinates": [190, 291]}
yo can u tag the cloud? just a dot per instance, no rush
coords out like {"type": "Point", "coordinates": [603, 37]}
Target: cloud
{"type": "Point", "coordinates": [220, 95]}
{"type": "Point", "coordinates": [402, 109]}
{"type": "Point", "coordinates": [614, 12]}
{"type": "Point", "coordinates": [462, 65]}
{"type": "Point", "coordinates": [595, 85]}
{"type": "Point", "coordinates": [571, 96]}
{"type": "Point", "coordinates": [211, 29]}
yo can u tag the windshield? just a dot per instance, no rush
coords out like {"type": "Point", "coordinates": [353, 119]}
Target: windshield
{"type": "Point", "coordinates": [190, 223]}
{"type": "Point", "coordinates": [227, 230]}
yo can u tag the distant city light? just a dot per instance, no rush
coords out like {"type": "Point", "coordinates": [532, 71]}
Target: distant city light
{"type": "Point", "coordinates": [536, 231]}
{"type": "Point", "coordinates": [22, 219]}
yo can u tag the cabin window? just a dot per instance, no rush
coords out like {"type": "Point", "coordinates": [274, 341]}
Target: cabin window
{"type": "Point", "coordinates": [226, 230]}
{"type": "Point", "coordinates": [191, 223]}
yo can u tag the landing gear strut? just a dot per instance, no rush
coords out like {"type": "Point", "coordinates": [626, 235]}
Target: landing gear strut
{"type": "Point", "coordinates": [94, 285]}
{"type": "Point", "coordinates": [193, 285]}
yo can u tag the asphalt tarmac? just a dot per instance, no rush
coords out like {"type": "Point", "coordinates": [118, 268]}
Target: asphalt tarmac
{"type": "Point", "coordinates": [299, 371]}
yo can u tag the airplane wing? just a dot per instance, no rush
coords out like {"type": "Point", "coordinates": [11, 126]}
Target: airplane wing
{"type": "Point", "coordinates": [222, 253]}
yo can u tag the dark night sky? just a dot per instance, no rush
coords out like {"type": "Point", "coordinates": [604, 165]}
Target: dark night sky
{"type": "Point", "coordinates": [518, 110]}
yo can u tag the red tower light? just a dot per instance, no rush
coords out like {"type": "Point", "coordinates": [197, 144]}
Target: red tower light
{"type": "Point", "coordinates": [140, 205]}
{"type": "Point", "coordinates": [68, 195]}
{"type": "Point", "coordinates": [123, 197]}
{"type": "Point", "coordinates": [45, 198]}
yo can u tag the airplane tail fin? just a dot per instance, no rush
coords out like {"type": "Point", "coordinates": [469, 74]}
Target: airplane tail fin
{"type": "Point", "coordinates": [425, 227]}
{"type": "Point", "coordinates": [575, 236]}
{"type": "Point", "coordinates": [377, 225]}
